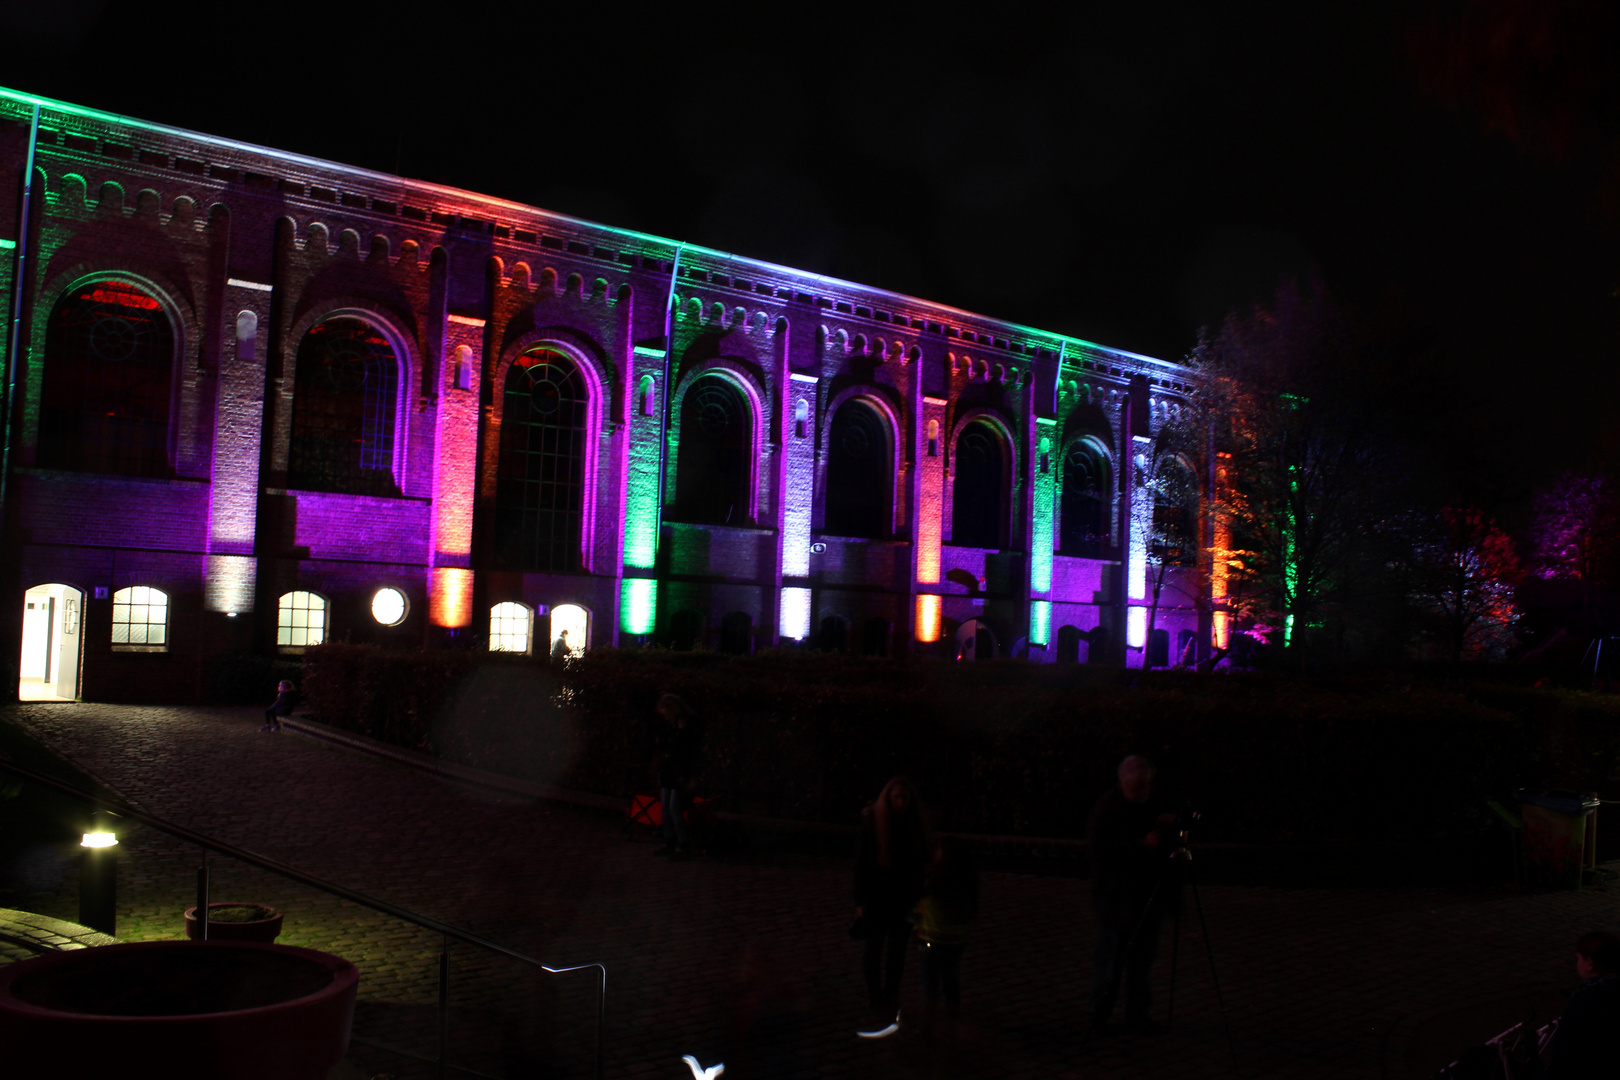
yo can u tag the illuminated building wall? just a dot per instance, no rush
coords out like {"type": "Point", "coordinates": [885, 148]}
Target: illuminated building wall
{"type": "Point", "coordinates": [247, 250]}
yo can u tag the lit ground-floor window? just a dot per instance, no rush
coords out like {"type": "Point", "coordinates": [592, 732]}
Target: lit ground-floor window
{"type": "Point", "coordinates": [140, 616]}
{"type": "Point", "coordinates": [511, 628]}
{"type": "Point", "coordinates": [301, 619]}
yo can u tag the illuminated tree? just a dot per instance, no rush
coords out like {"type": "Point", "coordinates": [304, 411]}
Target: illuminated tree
{"type": "Point", "coordinates": [1573, 531]}
{"type": "Point", "coordinates": [1463, 580]}
{"type": "Point", "coordinates": [1290, 390]}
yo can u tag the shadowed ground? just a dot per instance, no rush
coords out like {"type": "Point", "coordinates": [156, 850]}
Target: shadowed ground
{"type": "Point", "coordinates": [745, 958]}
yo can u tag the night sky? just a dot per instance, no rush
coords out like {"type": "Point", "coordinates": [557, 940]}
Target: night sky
{"type": "Point", "coordinates": [1126, 172]}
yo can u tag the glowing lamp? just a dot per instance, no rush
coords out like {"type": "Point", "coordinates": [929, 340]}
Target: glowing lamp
{"type": "Point", "coordinates": [99, 838]}
{"type": "Point", "coordinates": [795, 618]}
{"type": "Point", "coordinates": [450, 598]}
{"type": "Point", "coordinates": [1136, 628]}
{"type": "Point", "coordinates": [1040, 622]}
{"type": "Point", "coordinates": [930, 610]}
{"type": "Point", "coordinates": [638, 605]}
{"type": "Point", "coordinates": [388, 606]}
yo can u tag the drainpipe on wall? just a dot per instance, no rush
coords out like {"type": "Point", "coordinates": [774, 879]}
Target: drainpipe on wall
{"type": "Point", "coordinates": [665, 395]}
{"type": "Point", "coordinates": [18, 289]}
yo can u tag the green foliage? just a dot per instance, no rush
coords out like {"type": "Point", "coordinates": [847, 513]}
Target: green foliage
{"type": "Point", "coordinates": [1001, 747]}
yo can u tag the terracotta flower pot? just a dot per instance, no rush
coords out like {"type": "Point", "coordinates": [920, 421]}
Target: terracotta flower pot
{"type": "Point", "coordinates": [177, 1010]}
{"type": "Point", "coordinates": [235, 922]}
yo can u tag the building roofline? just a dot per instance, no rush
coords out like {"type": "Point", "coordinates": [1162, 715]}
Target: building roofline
{"type": "Point", "coordinates": [1057, 342]}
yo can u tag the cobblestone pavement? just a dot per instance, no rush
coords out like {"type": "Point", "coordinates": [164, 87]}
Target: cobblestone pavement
{"type": "Point", "coordinates": [745, 958]}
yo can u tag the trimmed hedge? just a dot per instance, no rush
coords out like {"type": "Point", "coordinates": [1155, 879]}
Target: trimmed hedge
{"type": "Point", "coordinates": [1004, 747]}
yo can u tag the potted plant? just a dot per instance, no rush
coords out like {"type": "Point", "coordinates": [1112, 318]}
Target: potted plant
{"type": "Point", "coordinates": [237, 922]}
{"type": "Point", "coordinates": [182, 1010]}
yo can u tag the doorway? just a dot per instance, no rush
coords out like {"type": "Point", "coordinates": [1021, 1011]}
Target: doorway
{"type": "Point", "coordinates": [49, 668]}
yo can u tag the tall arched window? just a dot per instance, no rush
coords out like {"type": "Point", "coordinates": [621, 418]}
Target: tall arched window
{"type": "Point", "coordinates": [140, 618]}
{"type": "Point", "coordinates": [1175, 512]}
{"type": "Point", "coordinates": [540, 477]}
{"type": "Point", "coordinates": [981, 479]}
{"type": "Point", "coordinates": [860, 472]}
{"type": "Point", "coordinates": [716, 452]}
{"type": "Point", "coordinates": [109, 364]}
{"type": "Point", "coordinates": [1083, 529]}
{"type": "Point", "coordinates": [300, 619]}
{"type": "Point", "coordinates": [343, 410]}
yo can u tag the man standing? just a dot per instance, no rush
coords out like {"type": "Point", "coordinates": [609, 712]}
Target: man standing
{"type": "Point", "coordinates": [1129, 839]}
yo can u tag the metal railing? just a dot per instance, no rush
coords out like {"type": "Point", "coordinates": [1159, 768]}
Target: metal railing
{"type": "Point", "coordinates": [446, 932]}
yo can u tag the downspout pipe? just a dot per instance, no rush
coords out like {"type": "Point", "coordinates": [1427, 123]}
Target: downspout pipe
{"type": "Point", "coordinates": [19, 287]}
{"type": "Point", "coordinates": [665, 396]}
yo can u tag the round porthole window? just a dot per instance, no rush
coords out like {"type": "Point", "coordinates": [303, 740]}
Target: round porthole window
{"type": "Point", "coordinates": [388, 606]}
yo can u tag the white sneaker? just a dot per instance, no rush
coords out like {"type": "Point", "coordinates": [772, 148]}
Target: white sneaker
{"type": "Point", "coordinates": [882, 1032]}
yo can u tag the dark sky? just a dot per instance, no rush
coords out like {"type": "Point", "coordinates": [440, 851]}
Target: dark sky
{"type": "Point", "coordinates": [1123, 171]}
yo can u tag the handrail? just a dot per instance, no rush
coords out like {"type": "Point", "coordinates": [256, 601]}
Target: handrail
{"type": "Point", "coordinates": [427, 922]}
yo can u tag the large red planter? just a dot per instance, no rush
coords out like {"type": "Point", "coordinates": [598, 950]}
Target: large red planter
{"type": "Point", "coordinates": [177, 1010]}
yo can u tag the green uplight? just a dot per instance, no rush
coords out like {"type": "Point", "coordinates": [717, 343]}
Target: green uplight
{"type": "Point", "coordinates": [638, 605]}
{"type": "Point", "coordinates": [1040, 622]}
{"type": "Point", "coordinates": [1040, 543]}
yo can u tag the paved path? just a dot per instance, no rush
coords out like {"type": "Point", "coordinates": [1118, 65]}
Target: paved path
{"type": "Point", "coordinates": [746, 959]}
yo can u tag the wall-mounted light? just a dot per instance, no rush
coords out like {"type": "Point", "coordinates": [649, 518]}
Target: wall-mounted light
{"type": "Point", "coordinates": [818, 548]}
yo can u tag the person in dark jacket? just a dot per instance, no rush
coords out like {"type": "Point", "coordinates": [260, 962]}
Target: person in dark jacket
{"type": "Point", "coordinates": [1587, 1042]}
{"type": "Point", "coordinates": [890, 864]}
{"type": "Point", "coordinates": [1129, 840]}
{"type": "Point", "coordinates": [677, 773]}
{"type": "Point", "coordinates": [286, 702]}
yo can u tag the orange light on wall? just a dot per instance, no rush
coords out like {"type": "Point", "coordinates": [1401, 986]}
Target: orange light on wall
{"type": "Point", "coordinates": [930, 610]}
{"type": "Point", "coordinates": [1220, 569]}
{"type": "Point", "coordinates": [450, 596]}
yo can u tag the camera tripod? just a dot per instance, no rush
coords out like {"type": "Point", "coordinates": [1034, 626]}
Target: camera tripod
{"type": "Point", "coordinates": [1181, 862]}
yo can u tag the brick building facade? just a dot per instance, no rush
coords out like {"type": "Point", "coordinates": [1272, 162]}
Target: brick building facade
{"type": "Point", "coordinates": [261, 400]}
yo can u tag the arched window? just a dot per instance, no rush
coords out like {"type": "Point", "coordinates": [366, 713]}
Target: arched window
{"type": "Point", "coordinates": [540, 478]}
{"type": "Point", "coordinates": [1083, 529]}
{"type": "Point", "coordinates": [344, 391]}
{"type": "Point", "coordinates": [574, 621]}
{"type": "Point", "coordinates": [860, 472]}
{"type": "Point", "coordinates": [300, 619]}
{"type": "Point", "coordinates": [511, 628]}
{"type": "Point", "coordinates": [140, 618]}
{"type": "Point", "coordinates": [715, 454]}
{"type": "Point", "coordinates": [1175, 512]}
{"type": "Point", "coordinates": [109, 365]}
{"type": "Point", "coordinates": [981, 478]}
